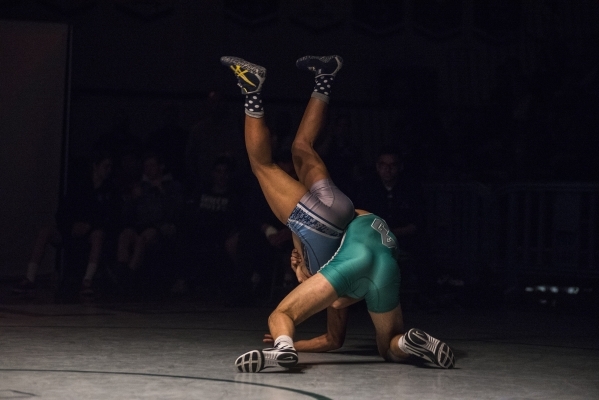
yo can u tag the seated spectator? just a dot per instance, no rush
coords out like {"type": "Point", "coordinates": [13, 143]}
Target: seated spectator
{"type": "Point", "coordinates": [128, 172]}
{"type": "Point", "coordinates": [212, 217]}
{"type": "Point", "coordinates": [150, 215]}
{"type": "Point", "coordinates": [85, 217]}
{"type": "Point", "coordinates": [397, 198]}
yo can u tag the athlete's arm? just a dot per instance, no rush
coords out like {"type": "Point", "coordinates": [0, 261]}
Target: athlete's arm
{"type": "Point", "coordinates": [333, 339]}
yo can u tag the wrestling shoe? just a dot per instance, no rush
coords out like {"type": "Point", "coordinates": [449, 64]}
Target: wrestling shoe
{"type": "Point", "coordinates": [325, 65]}
{"type": "Point", "coordinates": [24, 287]}
{"type": "Point", "coordinates": [250, 77]}
{"type": "Point", "coordinates": [422, 345]}
{"type": "Point", "coordinates": [257, 360]}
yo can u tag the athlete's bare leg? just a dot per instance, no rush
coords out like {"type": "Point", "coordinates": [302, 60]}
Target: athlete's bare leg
{"type": "Point", "coordinates": [312, 296]}
{"type": "Point", "coordinates": [389, 328]}
{"type": "Point", "coordinates": [305, 300]}
{"type": "Point", "coordinates": [281, 191]}
{"type": "Point", "coordinates": [396, 346]}
{"type": "Point", "coordinates": [308, 165]}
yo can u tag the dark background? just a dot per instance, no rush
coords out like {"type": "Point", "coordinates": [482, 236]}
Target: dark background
{"type": "Point", "coordinates": [495, 102]}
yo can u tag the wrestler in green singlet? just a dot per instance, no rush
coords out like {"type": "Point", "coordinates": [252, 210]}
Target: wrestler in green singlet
{"type": "Point", "coordinates": [365, 265]}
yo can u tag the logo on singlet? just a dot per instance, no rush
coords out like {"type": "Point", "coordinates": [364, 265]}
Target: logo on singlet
{"type": "Point", "coordinates": [381, 227]}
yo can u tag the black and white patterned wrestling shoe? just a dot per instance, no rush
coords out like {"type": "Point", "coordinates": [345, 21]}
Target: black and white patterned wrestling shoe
{"type": "Point", "coordinates": [325, 65]}
{"type": "Point", "coordinates": [423, 345]}
{"type": "Point", "coordinates": [250, 77]}
{"type": "Point", "coordinates": [257, 360]}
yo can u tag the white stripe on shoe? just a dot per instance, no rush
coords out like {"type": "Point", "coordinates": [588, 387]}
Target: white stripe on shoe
{"type": "Point", "coordinates": [421, 344]}
{"type": "Point", "coordinates": [257, 360]}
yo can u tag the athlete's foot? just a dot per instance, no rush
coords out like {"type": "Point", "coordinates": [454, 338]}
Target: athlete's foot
{"type": "Point", "coordinates": [250, 77]}
{"type": "Point", "coordinates": [257, 360]}
{"type": "Point", "coordinates": [325, 65]}
{"type": "Point", "coordinates": [421, 344]}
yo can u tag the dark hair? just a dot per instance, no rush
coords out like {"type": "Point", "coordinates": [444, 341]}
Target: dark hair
{"type": "Point", "coordinates": [225, 160]}
{"type": "Point", "coordinates": [390, 149]}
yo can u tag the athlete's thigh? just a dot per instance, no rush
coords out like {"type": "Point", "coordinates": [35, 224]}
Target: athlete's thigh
{"type": "Point", "coordinates": [308, 165]}
{"type": "Point", "coordinates": [281, 191]}
{"type": "Point", "coordinates": [308, 298]}
{"type": "Point", "coordinates": [387, 325]}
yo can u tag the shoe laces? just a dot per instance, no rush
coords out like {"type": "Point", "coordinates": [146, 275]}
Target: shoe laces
{"type": "Point", "coordinates": [240, 73]}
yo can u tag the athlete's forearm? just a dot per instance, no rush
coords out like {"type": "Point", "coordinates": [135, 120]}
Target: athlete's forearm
{"type": "Point", "coordinates": [318, 344]}
{"type": "Point", "coordinates": [333, 339]}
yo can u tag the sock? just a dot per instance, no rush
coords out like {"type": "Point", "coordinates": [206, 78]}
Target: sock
{"type": "Point", "coordinates": [31, 271]}
{"type": "Point", "coordinates": [90, 271]}
{"type": "Point", "coordinates": [402, 344]}
{"type": "Point", "coordinates": [253, 105]}
{"type": "Point", "coordinates": [322, 89]}
{"type": "Point", "coordinates": [284, 342]}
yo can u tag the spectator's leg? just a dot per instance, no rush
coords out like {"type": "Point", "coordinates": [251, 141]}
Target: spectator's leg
{"type": "Point", "coordinates": [125, 242]}
{"type": "Point", "coordinates": [142, 241]}
{"type": "Point", "coordinates": [96, 240]}
{"type": "Point", "coordinates": [45, 236]}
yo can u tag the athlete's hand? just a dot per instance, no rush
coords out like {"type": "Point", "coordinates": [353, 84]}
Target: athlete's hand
{"type": "Point", "coordinates": [296, 259]}
{"type": "Point", "coordinates": [268, 339]}
{"type": "Point", "coordinates": [299, 267]}
{"type": "Point", "coordinates": [302, 273]}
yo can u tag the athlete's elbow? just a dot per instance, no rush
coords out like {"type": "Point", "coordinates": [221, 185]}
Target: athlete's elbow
{"type": "Point", "coordinates": [336, 342]}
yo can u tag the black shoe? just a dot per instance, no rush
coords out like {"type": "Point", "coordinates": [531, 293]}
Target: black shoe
{"type": "Point", "coordinates": [257, 360]}
{"type": "Point", "coordinates": [422, 345]}
{"type": "Point", "coordinates": [325, 65]}
{"type": "Point", "coordinates": [24, 287]}
{"type": "Point", "coordinates": [250, 77]}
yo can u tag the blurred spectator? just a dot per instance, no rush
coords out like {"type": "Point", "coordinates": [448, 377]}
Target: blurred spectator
{"type": "Point", "coordinates": [212, 217]}
{"type": "Point", "coordinates": [262, 244]}
{"type": "Point", "coordinates": [127, 173]}
{"type": "Point", "coordinates": [398, 199]}
{"type": "Point", "coordinates": [216, 134]}
{"type": "Point", "coordinates": [150, 216]}
{"type": "Point", "coordinates": [87, 217]}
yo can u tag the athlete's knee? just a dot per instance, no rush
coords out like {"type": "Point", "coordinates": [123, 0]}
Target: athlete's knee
{"type": "Point", "coordinates": [278, 313]}
{"type": "Point", "coordinates": [301, 147]}
{"type": "Point", "coordinates": [259, 167]}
